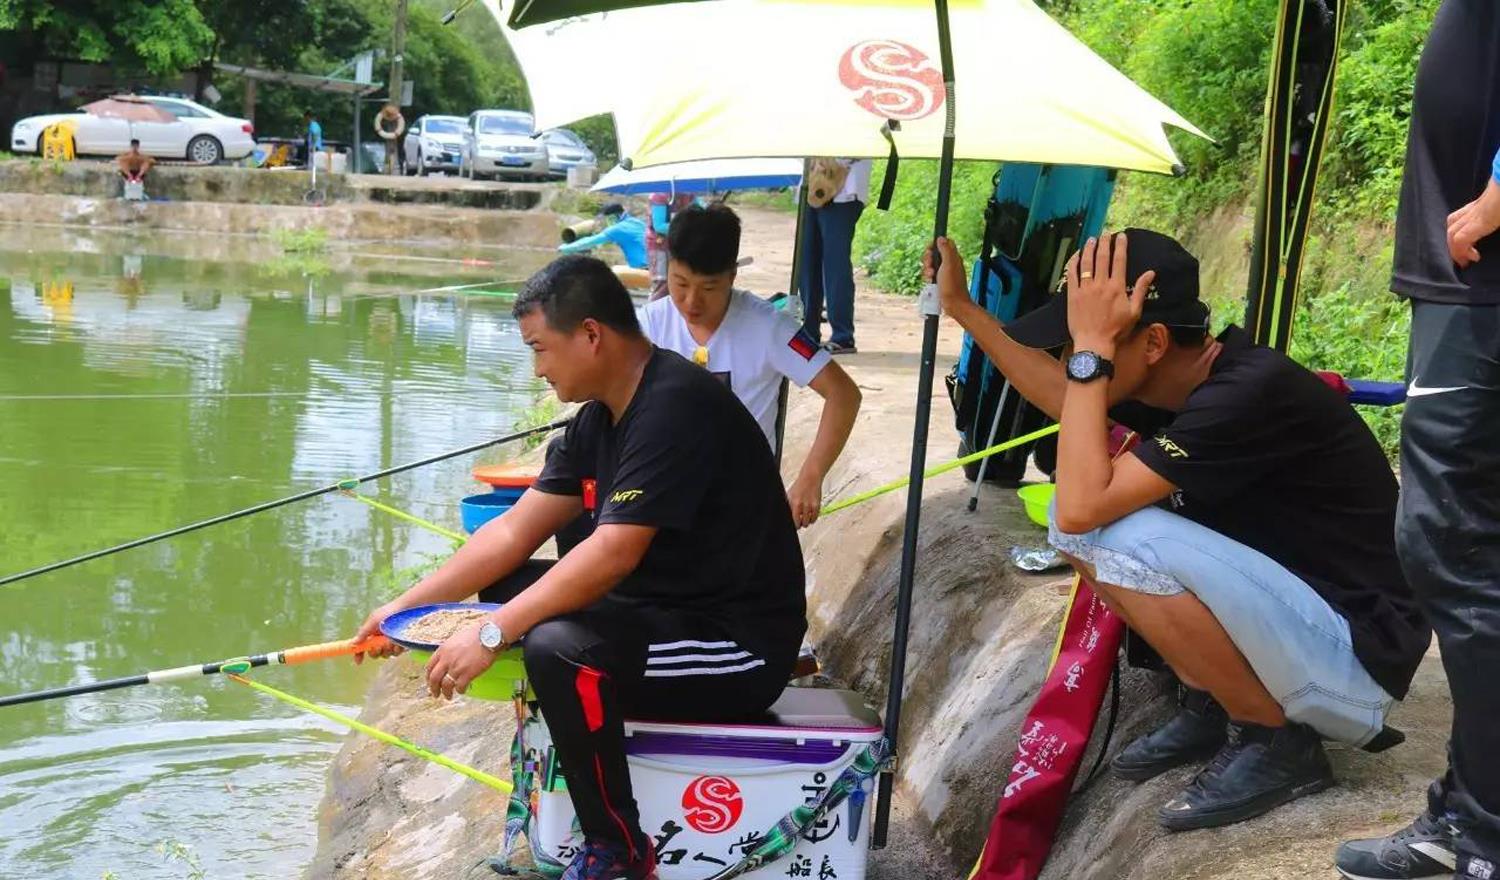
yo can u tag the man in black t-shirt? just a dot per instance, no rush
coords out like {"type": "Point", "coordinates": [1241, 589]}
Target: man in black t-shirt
{"type": "Point", "coordinates": [1447, 262]}
{"type": "Point", "coordinates": [685, 600]}
{"type": "Point", "coordinates": [1247, 538]}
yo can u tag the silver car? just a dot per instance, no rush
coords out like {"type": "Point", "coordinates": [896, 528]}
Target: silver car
{"type": "Point", "coordinates": [566, 150]}
{"type": "Point", "coordinates": [433, 143]}
{"type": "Point", "coordinates": [502, 143]}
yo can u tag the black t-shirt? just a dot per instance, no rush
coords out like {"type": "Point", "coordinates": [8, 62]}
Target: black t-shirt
{"type": "Point", "coordinates": [1268, 454]}
{"type": "Point", "coordinates": [689, 459]}
{"type": "Point", "coordinates": [1455, 131]}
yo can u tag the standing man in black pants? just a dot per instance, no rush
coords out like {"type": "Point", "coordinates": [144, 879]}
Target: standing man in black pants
{"type": "Point", "coordinates": [685, 602]}
{"type": "Point", "coordinates": [1447, 262]}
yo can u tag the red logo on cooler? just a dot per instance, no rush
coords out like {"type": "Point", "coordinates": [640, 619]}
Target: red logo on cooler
{"type": "Point", "coordinates": [712, 804]}
{"type": "Point", "coordinates": [892, 80]}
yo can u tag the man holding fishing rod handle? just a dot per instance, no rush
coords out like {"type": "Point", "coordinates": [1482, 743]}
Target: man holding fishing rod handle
{"type": "Point", "coordinates": [685, 602]}
{"type": "Point", "coordinates": [1248, 538]}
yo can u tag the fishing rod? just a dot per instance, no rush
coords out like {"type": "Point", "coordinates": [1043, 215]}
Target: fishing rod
{"type": "Point", "coordinates": [940, 469]}
{"type": "Point", "coordinates": [234, 665]}
{"type": "Point", "coordinates": [342, 485]}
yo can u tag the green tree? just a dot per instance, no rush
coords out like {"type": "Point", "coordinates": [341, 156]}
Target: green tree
{"type": "Point", "coordinates": [158, 36]}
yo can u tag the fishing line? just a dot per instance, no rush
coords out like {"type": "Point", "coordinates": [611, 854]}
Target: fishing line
{"type": "Point", "coordinates": [342, 485]}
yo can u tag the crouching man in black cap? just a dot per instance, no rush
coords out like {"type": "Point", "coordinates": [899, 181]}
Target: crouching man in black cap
{"type": "Point", "coordinates": [1249, 538]}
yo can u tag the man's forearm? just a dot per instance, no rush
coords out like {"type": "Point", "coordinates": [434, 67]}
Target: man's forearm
{"type": "Point", "coordinates": [1083, 464]}
{"type": "Point", "coordinates": [489, 555]}
{"type": "Point", "coordinates": [840, 408]}
{"type": "Point", "coordinates": [1036, 375]}
{"type": "Point", "coordinates": [582, 577]}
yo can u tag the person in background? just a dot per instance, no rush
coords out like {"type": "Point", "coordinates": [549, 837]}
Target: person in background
{"type": "Point", "coordinates": [312, 136]}
{"type": "Point", "coordinates": [749, 344]}
{"type": "Point", "coordinates": [621, 230]}
{"type": "Point", "coordinates": [133, 165]}
{"type": "Point", "coordinates": [1447, 263]}
{"type": "Point", "coordinates": [391, 125]}
{"type": "Point", "coordinates": [663, 208]}
{"type": "Point", "coordinates": [827, 257]}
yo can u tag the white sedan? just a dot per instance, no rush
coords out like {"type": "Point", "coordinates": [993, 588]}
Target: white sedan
{"type": "Point", "coordinates": [198, 133]}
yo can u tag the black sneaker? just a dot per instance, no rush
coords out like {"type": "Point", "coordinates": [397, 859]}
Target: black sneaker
{"type": "Point", "coordinates": [1259, 769]}
{"type": "Point", "coordinates": [1420, 850]}
{"type": "Point", "coordinates": [1195, 733]}
{"type": "Point", "coordinates": [840, 348]}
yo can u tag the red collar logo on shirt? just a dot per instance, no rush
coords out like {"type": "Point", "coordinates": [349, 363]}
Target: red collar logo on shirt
{"type": "Point", "coordinates": [712, 804]}
{"type": "Point", "coordinates": [892, 80]}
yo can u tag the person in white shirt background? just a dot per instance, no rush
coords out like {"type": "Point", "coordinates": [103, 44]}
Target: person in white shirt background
{"type": "Point", "coordinates": [748, 343]}
{"type": "Point", "coordinates": [827, 261]}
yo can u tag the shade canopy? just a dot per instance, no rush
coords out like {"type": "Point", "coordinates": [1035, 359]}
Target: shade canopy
{"type": "Point", "coordinates": [793, 78]}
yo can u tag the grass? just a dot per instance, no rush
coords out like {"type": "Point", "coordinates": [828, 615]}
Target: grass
{"type": "Point", "coordinates": [546, 409]}
{"type": "Point", "coordinates": [313, 240]}
{"type": "Point", "coordinates": [783, 200]}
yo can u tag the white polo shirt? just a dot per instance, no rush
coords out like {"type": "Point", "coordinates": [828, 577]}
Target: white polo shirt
{"type": "Point", "coordinates": [752, 350]}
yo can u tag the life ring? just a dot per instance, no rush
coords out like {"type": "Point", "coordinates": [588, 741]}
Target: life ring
{"type": "Point", "coordinates": [391, 135]}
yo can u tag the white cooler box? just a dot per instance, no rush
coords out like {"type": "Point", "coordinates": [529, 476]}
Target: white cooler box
{"type": "Point", "coordinates": [709, 792]}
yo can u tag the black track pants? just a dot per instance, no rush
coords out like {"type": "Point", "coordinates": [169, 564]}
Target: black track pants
{"type": "Point", "coordinates": [615, 660]}
{"type": "Point", "coordinates": [1448, 537]}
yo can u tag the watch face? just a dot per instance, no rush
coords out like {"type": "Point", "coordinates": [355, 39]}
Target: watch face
{"type": "Point", "coordinates": [490, 636]}
{"type": "Point", "coordinates": [1083, 365]}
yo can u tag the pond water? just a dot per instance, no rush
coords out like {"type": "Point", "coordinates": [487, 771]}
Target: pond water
{"type": "Point", "coordinates": [147, 382]}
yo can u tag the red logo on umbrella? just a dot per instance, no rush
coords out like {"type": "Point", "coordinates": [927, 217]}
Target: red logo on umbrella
{"type": "Point", "coordinates": [712, 804]}
{"type": "Point", "coordinates": [892, 80]}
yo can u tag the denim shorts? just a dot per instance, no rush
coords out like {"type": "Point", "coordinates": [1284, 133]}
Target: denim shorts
{"type": "Point", "coordinates": [1297, 644]}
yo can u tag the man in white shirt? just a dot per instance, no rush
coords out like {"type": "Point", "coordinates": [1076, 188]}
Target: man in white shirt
{"type": "Point", "coordinates": [827, 259]}
{"type": "Point", "coordinates": [746, 342]}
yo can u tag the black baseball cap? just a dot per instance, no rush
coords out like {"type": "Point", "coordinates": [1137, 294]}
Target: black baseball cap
{"type": "Point", "coordinates": [1172, 299]}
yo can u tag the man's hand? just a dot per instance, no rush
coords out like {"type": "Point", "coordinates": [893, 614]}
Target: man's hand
{"type": "Point", "coordinates": [1472, 223]}
{"type": "Point", "coordinates": [371, 627]}
{"type": "Point", "coordinates": [806, 498]}
{"type": "Point", "coordinates": [953, 286]}
{"type": "Point", "coordinates": [1101, 312]}
{"type": "Point", "coordinates": [457, 662]}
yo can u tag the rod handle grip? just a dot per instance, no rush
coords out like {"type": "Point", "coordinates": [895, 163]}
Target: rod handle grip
{"type": "Point", "coordinates": [344, 648]}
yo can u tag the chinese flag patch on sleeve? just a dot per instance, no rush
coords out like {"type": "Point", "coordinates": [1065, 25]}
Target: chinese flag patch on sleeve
{"type": "Point", "coordinates": [802, 343]}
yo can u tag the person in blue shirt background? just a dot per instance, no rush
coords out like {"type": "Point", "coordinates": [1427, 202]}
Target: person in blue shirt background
{"type": "Point", "coordinates": [624, 231]}
{"type": "Point", "coordinates": [314, 136]}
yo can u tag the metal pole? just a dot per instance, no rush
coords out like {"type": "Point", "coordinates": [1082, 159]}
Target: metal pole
{"type": "Point", "coordinates": [994, 430]}
{"type": "Point", "coordinates": [794, 293]}
{"type": "Point", "coordinates": [354, 159]}
{"type": "Point", "coordinates": [918, 446]}
{"type": "Point", "coordinates": [398, 50]}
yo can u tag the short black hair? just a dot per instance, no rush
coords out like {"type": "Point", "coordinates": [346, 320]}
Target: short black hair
{"type": "Point", "coordinates": [570, 289]}
{"type": "Point", "coordinates": [706, 239]}
{"type": "Point", "coordinates": [613, 209]}
{"type": "Point", "coordinates": [135, 142]}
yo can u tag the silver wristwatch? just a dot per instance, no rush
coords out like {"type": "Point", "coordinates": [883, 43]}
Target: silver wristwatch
{"type": "Point", "coordinates": [491, 636]}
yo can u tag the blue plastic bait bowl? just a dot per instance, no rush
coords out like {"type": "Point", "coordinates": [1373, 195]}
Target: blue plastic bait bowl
{"type": "Point", "coordinates": [499, 682]}
{"type": "Point", "coordinates": [477, 510]}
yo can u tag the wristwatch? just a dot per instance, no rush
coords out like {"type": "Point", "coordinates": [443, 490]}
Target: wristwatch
{"type": "Point", "coordinates": [491, 636]}
{"type": "Point", "coordinates": [1086, 366]}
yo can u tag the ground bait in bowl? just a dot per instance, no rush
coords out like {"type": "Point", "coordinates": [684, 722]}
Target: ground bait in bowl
{"type": "Point", "coordinates": [435, 628]}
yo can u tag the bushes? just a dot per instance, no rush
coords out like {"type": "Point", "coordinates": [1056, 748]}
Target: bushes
{"type": "Point", "coordinates": [889, 243]}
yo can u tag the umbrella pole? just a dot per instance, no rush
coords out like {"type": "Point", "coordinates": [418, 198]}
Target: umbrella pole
{"type": "Point", "coordinates": [793, 291]}
{"type": "Point", "coordinates": [930, 311]}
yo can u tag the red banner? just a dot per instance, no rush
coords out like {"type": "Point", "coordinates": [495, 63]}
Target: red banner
{"type": "Point", "coordinates": [1053, 739]}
